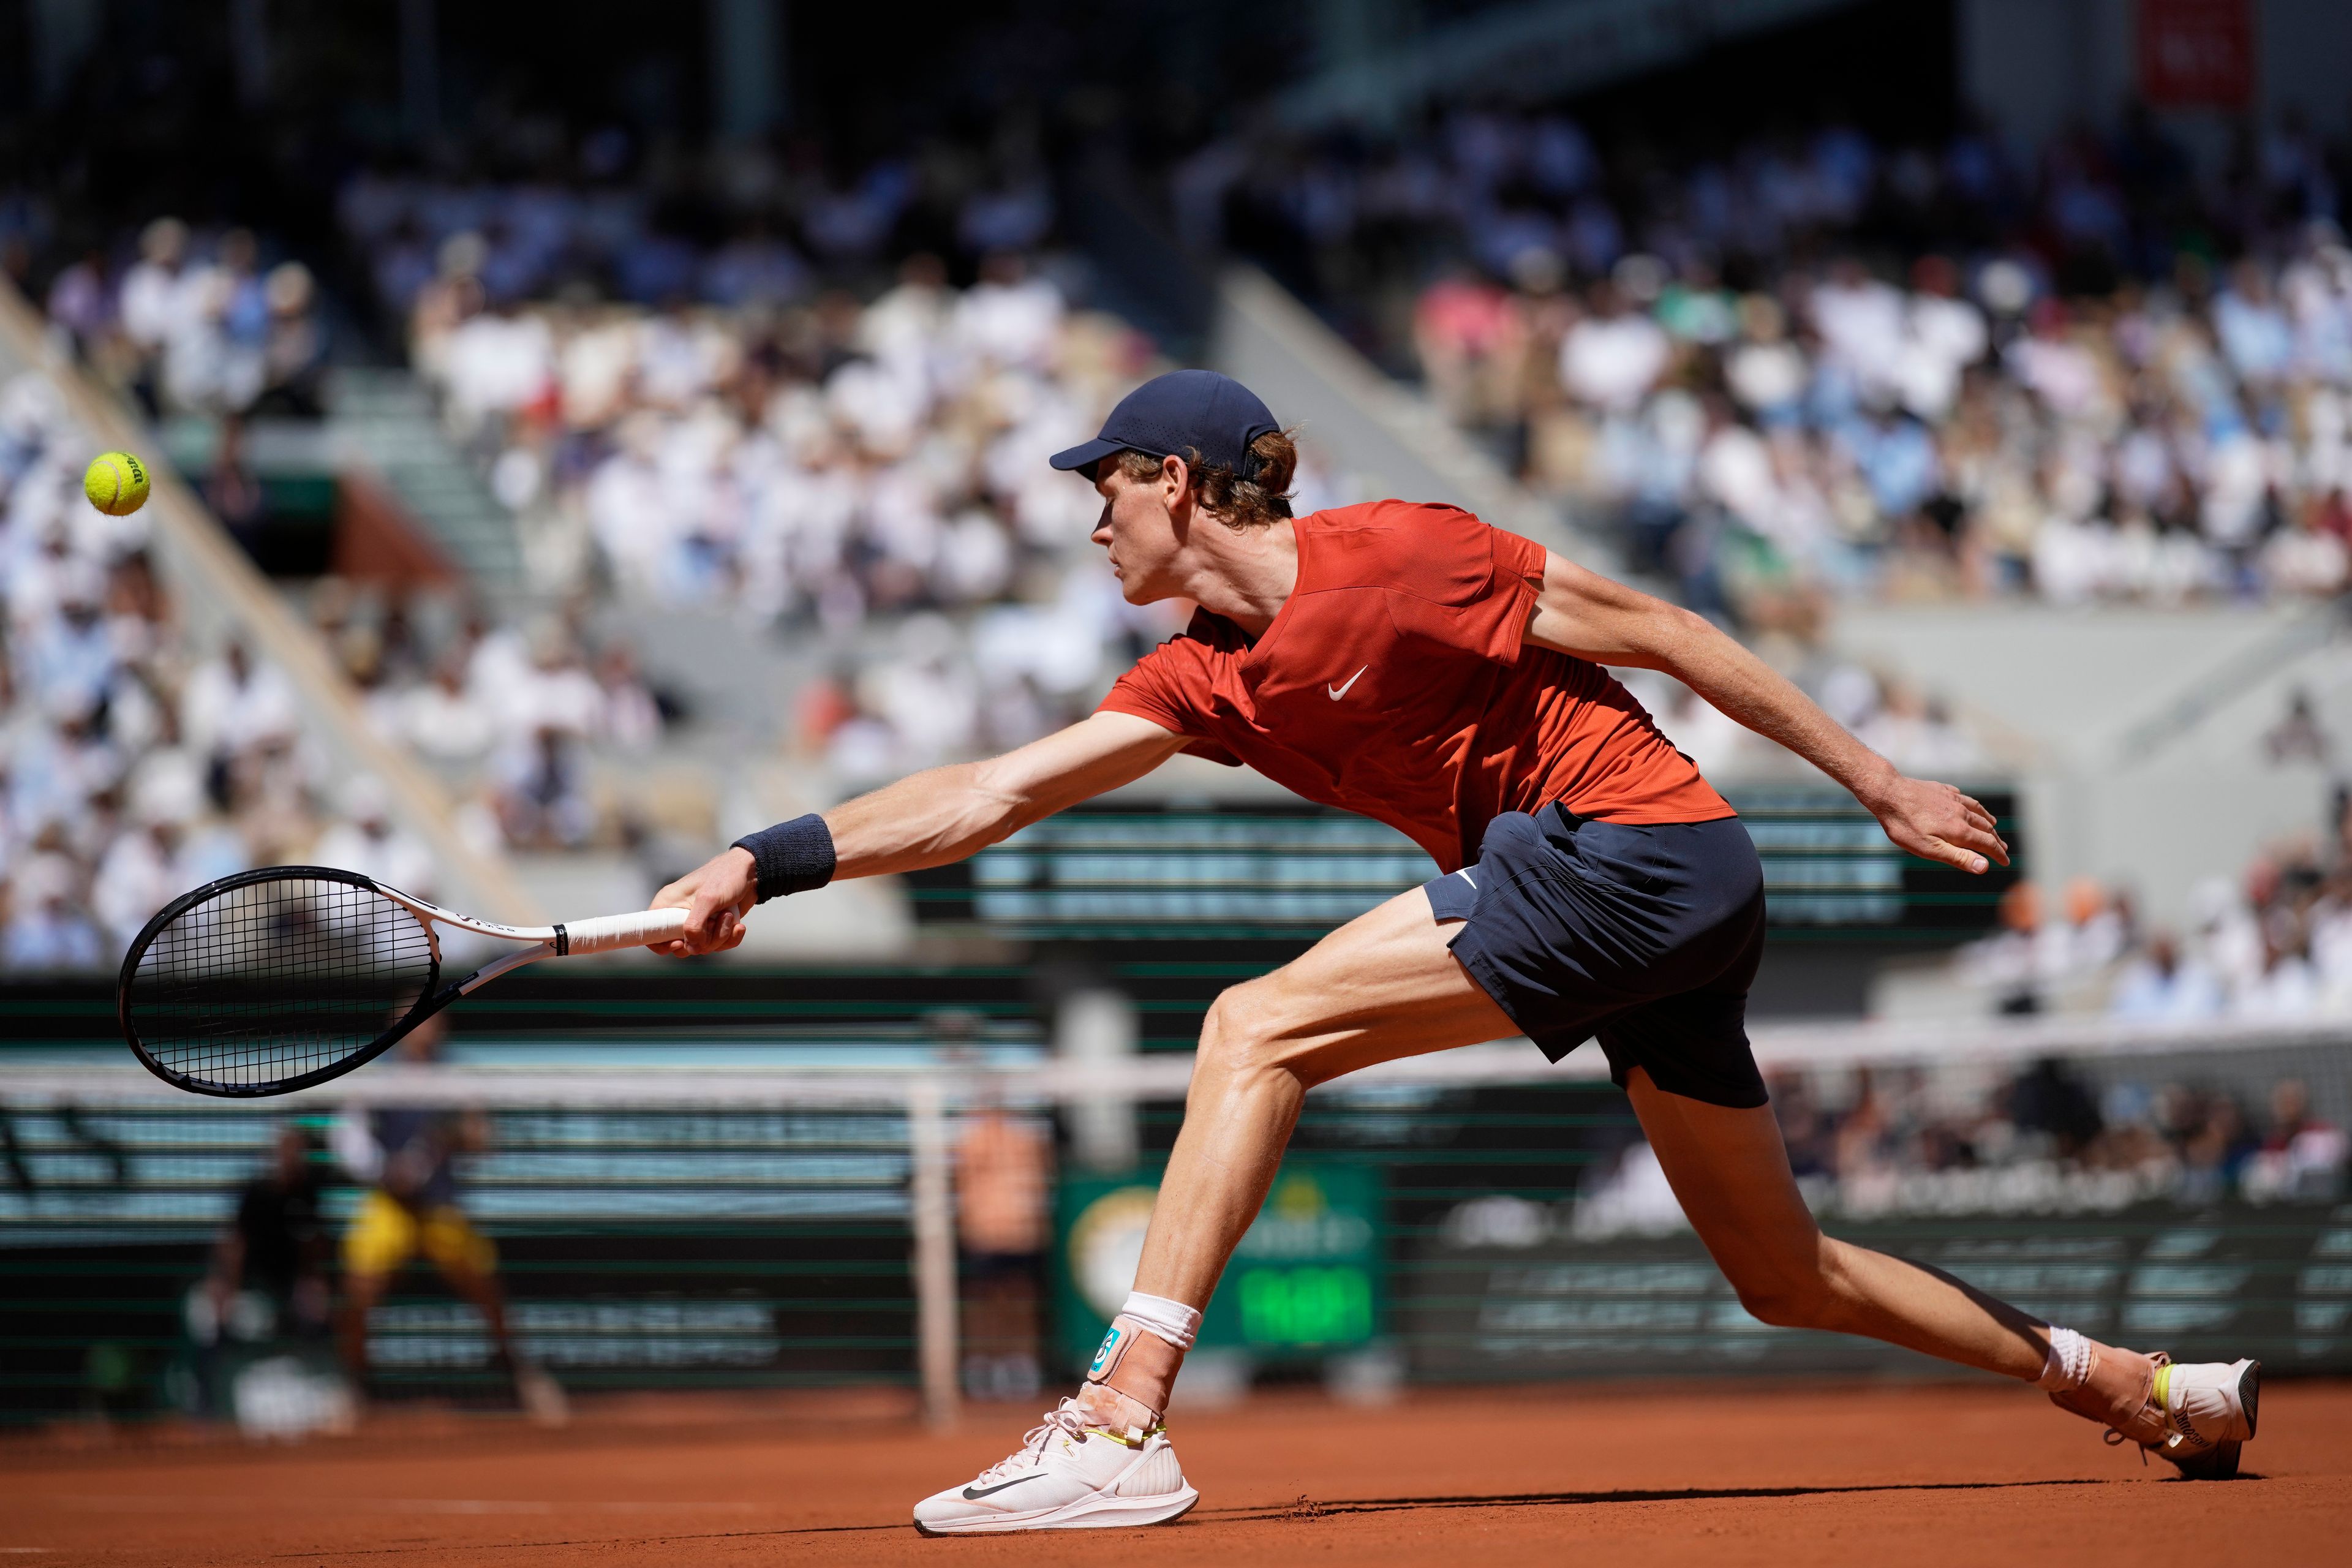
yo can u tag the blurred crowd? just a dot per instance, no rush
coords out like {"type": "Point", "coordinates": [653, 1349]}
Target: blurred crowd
{"type": "Point", "coordinates": [1913, 729]}
{"type": "Point", "coordinates": [867, 478]}
{"type": "Point", "coordinates": [1818, 367]}
{"type": "Point", "coordinates": [196, 323]}
{"type": "Point", "coordinates": [1526, 194]}
{"type": "Point", "coordinates": [1953, 1139]}
{"type": "Point", "coordinates": [134, 766]}
{"type": "Point", "coordinates": [1841, 436]}
{"type": "Point", "coordinates": [536, 214]}
{"type": "Point", "coordinates": [2274, 946]}
{"type": "Point", "coordinates": [1872, 1132]}
{"type": "Point", "coordinates": [523, 722]}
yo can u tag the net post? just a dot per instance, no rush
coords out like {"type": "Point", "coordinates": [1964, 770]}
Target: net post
{"type": "Point", "coordinates": [934, 1259]}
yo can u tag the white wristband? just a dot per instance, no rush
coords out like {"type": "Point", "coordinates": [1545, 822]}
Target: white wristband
{"type": "Point", "coordinates": [2069, 1362]}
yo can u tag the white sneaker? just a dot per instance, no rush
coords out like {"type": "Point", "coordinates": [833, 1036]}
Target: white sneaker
{"type": "Point", "coordinates": [1066, 1475]}
{"type": "Point", "coordinates": [2198, 1416]}
{"type": "Point", "coordinates": [542, 1397]}
{"type": "Point", "coordinates": [2209, 1410]}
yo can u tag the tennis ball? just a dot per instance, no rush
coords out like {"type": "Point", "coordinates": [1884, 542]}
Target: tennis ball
{"type": "Point", "coordinates": [116, 484]}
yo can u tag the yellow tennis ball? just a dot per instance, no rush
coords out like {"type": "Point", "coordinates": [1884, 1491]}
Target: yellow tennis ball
{"type": "Point", "coordinates": [116, 484]}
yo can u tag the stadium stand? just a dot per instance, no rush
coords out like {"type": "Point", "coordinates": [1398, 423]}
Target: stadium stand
{"type": "Point", "coordinates": [196, 323]}
{"type": "Point", "coordinates": [152, 739]}
{"type": "Point", "coordinates": [1821, 364]}
{"type": "Point", "coordinates": [743, 223]}
{"type": "Point", "coordinates": [2274, 944]}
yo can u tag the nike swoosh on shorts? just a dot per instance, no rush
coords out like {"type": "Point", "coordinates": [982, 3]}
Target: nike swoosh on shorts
{"type": "Point", "coordinates": [1338, 691]}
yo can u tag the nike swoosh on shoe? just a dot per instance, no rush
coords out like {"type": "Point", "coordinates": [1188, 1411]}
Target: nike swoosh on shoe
{"type": "Point", "coordinates": [972, 1495]}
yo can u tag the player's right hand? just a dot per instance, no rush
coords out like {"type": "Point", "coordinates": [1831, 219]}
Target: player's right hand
{"type": "Point", "coordinates": [716, 895]}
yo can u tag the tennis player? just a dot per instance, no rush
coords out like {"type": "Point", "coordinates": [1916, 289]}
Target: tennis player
{"type": "Point", "coordinates": [408, 1157]}
{"type": "Point", "coordinates": [1412, 664]}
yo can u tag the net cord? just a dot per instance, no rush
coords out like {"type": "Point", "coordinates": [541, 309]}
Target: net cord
{"type": "Point", "coordinates": [1159, 1076]}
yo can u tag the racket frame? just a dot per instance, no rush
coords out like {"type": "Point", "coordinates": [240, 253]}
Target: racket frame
{"type": "Point", "coordinates": [542, 942]}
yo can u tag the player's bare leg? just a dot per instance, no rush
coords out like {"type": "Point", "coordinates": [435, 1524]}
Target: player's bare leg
{"type": "Point", "coordinates": [480, 1292]}
{"type": "Point", "coordinates": [1388, 986]}
{"type": "Point", "coordinates": [541, 1396]}
{"type": "Point", "coordinates": [361, 1293]}
{"type": "Point", "coordinates": [1383, 986]}
{"type": "Point", "coordinates": [1729, 1171]}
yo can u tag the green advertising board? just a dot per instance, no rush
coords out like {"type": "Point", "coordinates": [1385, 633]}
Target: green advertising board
{"type": "Point", "coordinates": [1305, 1280]}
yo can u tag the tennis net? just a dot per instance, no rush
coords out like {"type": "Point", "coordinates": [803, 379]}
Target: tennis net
{"type": "Point", "coordinates": [1474, 1216]}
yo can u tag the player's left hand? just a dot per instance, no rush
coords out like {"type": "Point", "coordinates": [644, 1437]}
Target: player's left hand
{"type": "Point", "coordinates": [1937, 822]}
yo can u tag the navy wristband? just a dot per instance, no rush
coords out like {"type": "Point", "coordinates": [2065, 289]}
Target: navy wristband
{"type": "Point", "coordinates": [790, 858]}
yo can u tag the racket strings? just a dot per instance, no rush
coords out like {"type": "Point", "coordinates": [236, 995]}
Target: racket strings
{"type": "Point", "coordinates": [272, 980]}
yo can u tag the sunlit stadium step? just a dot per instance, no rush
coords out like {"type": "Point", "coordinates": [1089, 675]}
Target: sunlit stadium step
{"type": "Point", "coordinates": [385, 420]}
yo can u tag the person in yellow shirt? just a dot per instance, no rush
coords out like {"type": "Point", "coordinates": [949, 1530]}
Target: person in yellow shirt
{"type": "Point", "coordinates": [408, 1157]}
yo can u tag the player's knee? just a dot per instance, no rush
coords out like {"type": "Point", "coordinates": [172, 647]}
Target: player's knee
{"type": "Point", "coordinates": [1243, 1033]}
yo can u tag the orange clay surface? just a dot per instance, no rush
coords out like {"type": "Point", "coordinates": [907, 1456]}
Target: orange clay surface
{"type": "Point", "coordinates": [1913, 1478]}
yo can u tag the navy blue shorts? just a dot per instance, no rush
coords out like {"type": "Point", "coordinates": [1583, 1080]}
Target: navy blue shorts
{"type": "Point", "coordinates": [1646, 936]}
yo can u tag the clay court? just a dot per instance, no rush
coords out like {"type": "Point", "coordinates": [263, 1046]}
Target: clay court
{"type": "Point", "coordinates": [1618, 1475]}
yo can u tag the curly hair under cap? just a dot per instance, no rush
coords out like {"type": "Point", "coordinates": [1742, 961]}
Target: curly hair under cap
{"type": "Point", "coordinates": [1232, 501]}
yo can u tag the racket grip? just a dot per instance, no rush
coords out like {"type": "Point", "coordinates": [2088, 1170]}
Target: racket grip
{"type": "Point", "coordinates": [606, 933]}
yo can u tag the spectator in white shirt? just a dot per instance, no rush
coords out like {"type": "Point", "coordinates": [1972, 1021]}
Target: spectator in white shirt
{"type": "Point", "coordinates": [232, 704]}
{"type": "Point", "coordinates": [442, 718]}
{"type": "Point", "coordinates": [368, 841]}
{"type": "Point", "coordinates": [46, 930]}
{"type": "Point", "coordinates": [1010, 316]}
{"type": "Point", "coordinates": [2255, 334]}
{"type": "Point", "coordinates": [2161, 987]}
{"type": "Point", "coordinates": [554, 692]}
{"type": "Point", "coordinates": [1943, 335]}
{"type": "Point", "coordinates": [138, 875]}
{"type": "Point", "coordinates": [152, 309]}
{"type": "Point", "coordinates": [1861, 320]}
{"type": "Point", "coordinates": [629, 718]}
{"type": "Point", "coordinates": [1612, 357]}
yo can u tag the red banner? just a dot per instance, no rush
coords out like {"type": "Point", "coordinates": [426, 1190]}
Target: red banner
{"type": "Point", "coordinates": [2196, 54]}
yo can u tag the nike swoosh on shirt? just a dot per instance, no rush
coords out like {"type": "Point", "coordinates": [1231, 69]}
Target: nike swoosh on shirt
{"type": "Point", "coordinates": [1338, 691]}
{"type": "Point", "coordinates": [973, 1494]}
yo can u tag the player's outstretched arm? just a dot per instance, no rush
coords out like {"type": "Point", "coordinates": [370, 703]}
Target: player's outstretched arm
{"type": "Point", "coordinates": [1584, 614]}
{"type": "Point", "coordinates": [932, 818]}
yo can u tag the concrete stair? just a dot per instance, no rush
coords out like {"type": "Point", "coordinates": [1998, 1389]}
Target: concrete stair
{"type": "Point", "coordinates": [384, 419]}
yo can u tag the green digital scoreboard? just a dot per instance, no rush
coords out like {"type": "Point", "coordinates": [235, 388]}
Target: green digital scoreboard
{"type": "Point", "coordinates": [1305, 1280]}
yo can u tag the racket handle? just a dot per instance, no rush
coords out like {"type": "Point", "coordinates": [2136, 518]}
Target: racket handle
{"type": "Point", "coordinates": [606, 933]}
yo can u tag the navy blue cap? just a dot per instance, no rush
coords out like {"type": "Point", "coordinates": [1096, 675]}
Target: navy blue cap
{"type": "Point", "coordinates": [1178, 414]}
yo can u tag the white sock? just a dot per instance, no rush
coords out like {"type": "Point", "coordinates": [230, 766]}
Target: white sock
{"type": "Point", "coordinates": [1171, 1321]}
{"type": "Point", "coordinates": [2069, 1365]}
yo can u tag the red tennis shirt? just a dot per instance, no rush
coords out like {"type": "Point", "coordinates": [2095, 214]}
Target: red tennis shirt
{"type": "Point", "coordinates": [1395, 682]}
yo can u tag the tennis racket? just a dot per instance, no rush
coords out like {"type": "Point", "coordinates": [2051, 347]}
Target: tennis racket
{"type": "Point", "coordinates": [274, 980]}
